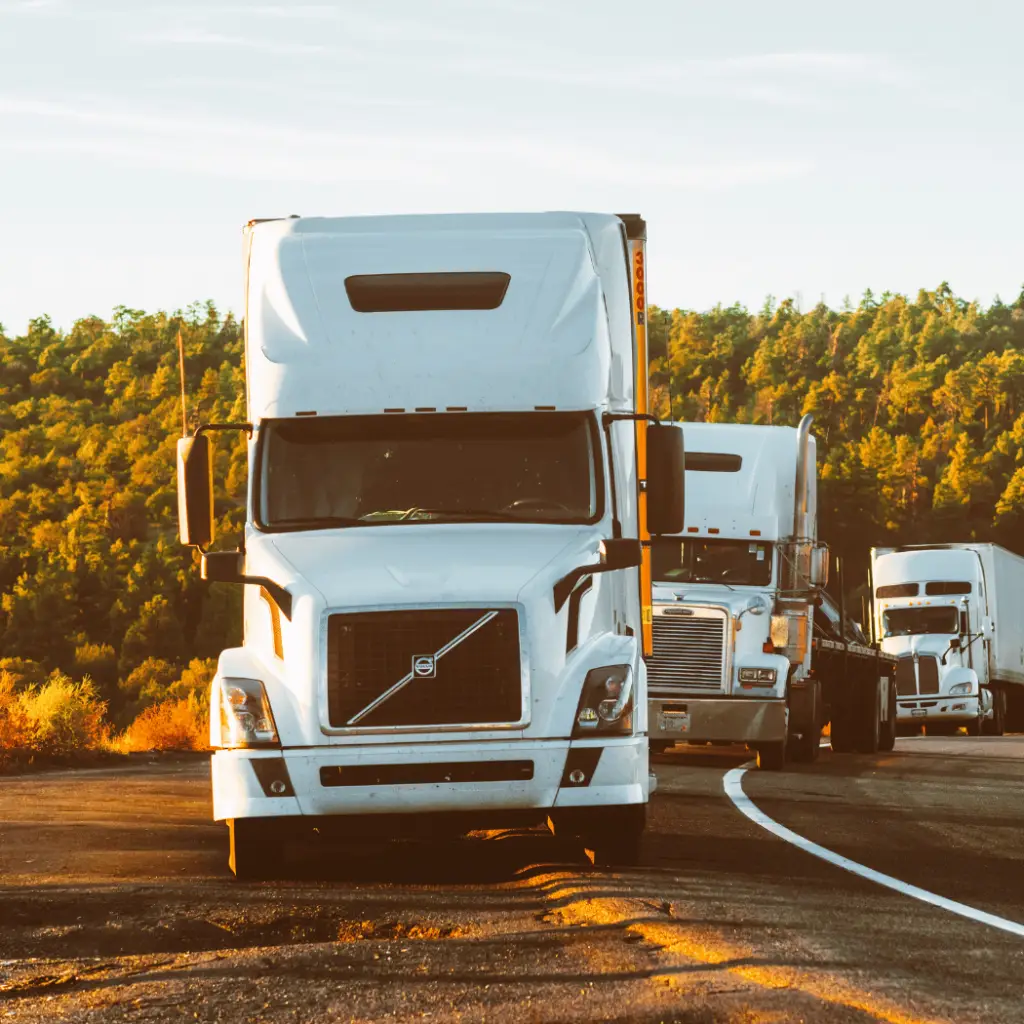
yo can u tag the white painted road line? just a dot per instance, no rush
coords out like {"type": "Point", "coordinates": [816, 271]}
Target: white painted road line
{"type": "Point", "coordinates": [733, 783]}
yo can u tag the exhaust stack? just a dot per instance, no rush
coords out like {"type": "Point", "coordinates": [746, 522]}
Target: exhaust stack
{"type": "Point", "coordinates": [802, 528]}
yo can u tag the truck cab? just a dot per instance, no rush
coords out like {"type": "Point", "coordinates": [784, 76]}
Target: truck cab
{"type": "Point", "coordinates": [931, 614]}
{"type": "Point", "coordinates": [734, 591]}
{"type": "Point", "coordinates": [452, 478]}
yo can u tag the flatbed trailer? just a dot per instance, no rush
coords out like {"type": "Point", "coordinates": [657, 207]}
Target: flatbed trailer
{"type": "Point", "coordinates": [853, 687]}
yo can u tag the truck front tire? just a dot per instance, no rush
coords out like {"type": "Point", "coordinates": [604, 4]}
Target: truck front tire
{"type": "Point", "coordinates": [615, 839]}
{"type": "Point", "coordinates": [253, 855]}
{"type": "Point", "coordinates": [771, 757]}
{"type": "Point", "coordinates": [997, 725]}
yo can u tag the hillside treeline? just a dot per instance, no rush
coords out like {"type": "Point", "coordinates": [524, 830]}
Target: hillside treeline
{"type": "Point", "coordinates": [918, 404]}
{"type": "Point", "coordinates": [918, 407]}
{"type": "Point", "coordinates": [93, 581]}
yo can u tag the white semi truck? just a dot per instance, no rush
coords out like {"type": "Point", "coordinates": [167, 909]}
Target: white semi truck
{"type": "Point", "coordinates": [953, 616]}
{"type": "Point", "coordinates": [452, 483]}
{"type": "Point", "coordinates": [747, 646]}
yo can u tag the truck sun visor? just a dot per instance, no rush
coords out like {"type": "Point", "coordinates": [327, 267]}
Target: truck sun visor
{"type": "Point", "coordinates": [397, 293]}
{"type": "Point", "coordinates": [713, 462]}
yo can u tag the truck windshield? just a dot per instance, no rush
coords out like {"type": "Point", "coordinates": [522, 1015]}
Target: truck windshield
{"type": "Point", "coordinates": [735, 562]}
{"type": "Point", "coordinates": [362, 470]}
{"type": "Point", "coordinates": [912, 621]}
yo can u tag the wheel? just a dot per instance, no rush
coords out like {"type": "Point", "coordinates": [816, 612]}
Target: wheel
{"type": "Point", "coordinates": [253, 854]}
{"type": "Point", "coordinates": [1014, 718]}
{"type": "Point", "coordinates": [805, 745]}
{"type": "Point", "coordinates": [997, 726]}
{"type": "Point", "coordinates": [771, 757]}
{"type": "Point", "coordinates": [976, 726]}
{"type": "Point", "coordinates": [887, 738]}
{"type": "Point", "coordinates": [842, 732]}
{"type": "Point", "coordinates": [615, 840]}
{"type": "Point", "coordinates": [869, 721]}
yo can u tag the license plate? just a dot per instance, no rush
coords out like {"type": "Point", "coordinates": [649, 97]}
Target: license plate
{"type": "Point", "coordinates": [674, 721]}
{"type": "Point", "coordinates": [918, 712]}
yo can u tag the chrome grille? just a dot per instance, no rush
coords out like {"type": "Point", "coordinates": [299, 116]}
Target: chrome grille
{"type": "Point", "coordinates": [911, 680]}
{"type": "Point", "coordinates": [476, 681]}
{"type": "Point", "coordinates": [905, 682]}
{"type": "Point", "coordinates": [927, 674]}
{"type": "Point", "coordinates": [689, 653]}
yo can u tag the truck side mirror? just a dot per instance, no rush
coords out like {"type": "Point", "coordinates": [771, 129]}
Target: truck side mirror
{"type": "Point", "coordinates": [988, 628]}
{"type": "Point", "coordinates": [665, 478]}
{"type": "Point", "coordinates": [954, 644]}
{"type": "Point", "coordinates": [195, 491]}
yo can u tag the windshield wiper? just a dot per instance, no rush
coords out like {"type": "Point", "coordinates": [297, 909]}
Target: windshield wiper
{"type": "Point", "coordinates": [471, 513]}
{"type": "Point", "coordinates": [315, 521]}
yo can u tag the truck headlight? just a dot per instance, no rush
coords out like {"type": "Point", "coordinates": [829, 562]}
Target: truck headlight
{"type": "Point", "coordinates": [245, 716]}
{"type": "Point", "coordinates": [759, 676]}
{"type": "Point", "coordinates": [959, 689]}
{"type": "Point", "coordinates": [606, 703]}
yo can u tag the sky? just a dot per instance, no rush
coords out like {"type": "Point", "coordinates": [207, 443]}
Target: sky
{"type": "Point", "coordinates": [786, 149]}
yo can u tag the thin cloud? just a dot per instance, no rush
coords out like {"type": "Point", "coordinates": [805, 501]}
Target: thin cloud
{"type": "Point", "coordinates": [258, 151]}
{"type": "Point", "coordinates": [774, 78]}
{"type": "Point", "coordinates": [195, 37]}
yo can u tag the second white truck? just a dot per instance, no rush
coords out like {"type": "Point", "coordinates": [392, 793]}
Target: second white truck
{"type": "Point", "coordinates": [953, 616]}
{"type": "Point", "coordinates": [748, 648]}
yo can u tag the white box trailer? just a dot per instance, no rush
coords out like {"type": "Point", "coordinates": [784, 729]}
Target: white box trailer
{"type": "Point", "coordinates": [452, 482]}
{"type": "Point", "coordinates": [953, 615]}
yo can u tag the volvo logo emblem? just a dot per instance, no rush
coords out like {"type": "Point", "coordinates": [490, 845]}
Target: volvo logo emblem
{"type": "Point", "coordinates": [424, 666]}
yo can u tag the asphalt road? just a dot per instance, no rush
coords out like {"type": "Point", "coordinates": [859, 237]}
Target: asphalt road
{"type": "Point", "coordinates": [116, 904]}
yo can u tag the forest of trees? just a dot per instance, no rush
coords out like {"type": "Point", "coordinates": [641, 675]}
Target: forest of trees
{"type": "Point", "coordinates": [919, 414]}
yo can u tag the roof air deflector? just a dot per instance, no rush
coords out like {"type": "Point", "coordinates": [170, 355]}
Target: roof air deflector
{"type": "Point", "coordinates": [406, 293]}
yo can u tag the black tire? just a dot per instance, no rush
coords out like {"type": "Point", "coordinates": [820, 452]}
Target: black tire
{"type": "Point", "coordinates": [976, 726]}
{"type": "Point", "coordinates": [253, 854]}
{"type": "Point", "coordinates": [887, 738]}
{"type": "Point", "coordinates": [1014, 721]}
{"type": "Point", "coordinates": [771, 757]}
{"type": "Point", "coordinates": [617, 841]}
{"type": "Point", "coordinates": [869, 722]}
{"type": "Point", "coordinates": [805, 740]}
{"type": "Point", "coordinates": [997, 725]}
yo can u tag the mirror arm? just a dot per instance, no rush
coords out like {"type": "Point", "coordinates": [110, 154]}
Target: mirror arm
{"type": "Point", "coordinates": [282, 598]}
{"type": "Point", "coordinates": [205, 427]}
{"type": "Point", "coordinates": [633, 417]}
{"type": "Point", "coordinates": [565, 586]}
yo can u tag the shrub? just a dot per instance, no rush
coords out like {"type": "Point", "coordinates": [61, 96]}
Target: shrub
{"type": "Point", "coordinates": [171, 725]}
{"type": "Point", "coordinates": [14, 732]}
{"type": "Point", "coordinates": [62, 716]}
{"type": "Point", "coordinates": [195, 679]}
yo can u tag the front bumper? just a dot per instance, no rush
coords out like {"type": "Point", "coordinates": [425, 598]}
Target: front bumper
{"type": "Point", "coordinates": [730, 719]}
{"type": "Point", "coordinates": [620, 776]}
{"type": "Point", "coordinates": [937, 709]}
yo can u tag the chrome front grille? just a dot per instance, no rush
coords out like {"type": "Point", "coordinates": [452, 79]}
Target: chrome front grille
{"type": "Point", "coordinates": [689, 652]}
{"type": "Point", "coordinates": [914, 677]}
